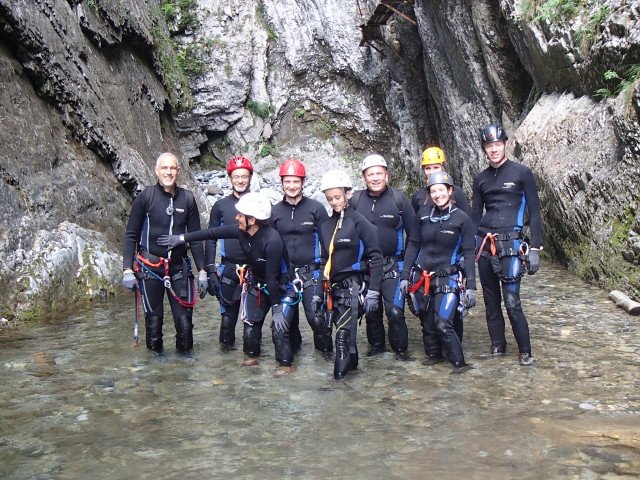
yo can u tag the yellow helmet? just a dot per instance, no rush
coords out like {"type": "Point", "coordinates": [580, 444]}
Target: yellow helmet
{"type": "Point", "coordinates": [432, 155]}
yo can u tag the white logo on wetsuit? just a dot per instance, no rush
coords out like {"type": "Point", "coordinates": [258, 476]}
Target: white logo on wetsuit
{"type": "Point", "coordinates": [343, 240]}
{"type": "Point", "coordinates": [387, 216]}
{"type": "Point", "coordinates": [448, 232]}
{"type": "Point", "coordinates": [306, 223]}
{"type": "Point", "coordinates": [509, 185]}
{"type": "Point", "coordinates": [260, 259]}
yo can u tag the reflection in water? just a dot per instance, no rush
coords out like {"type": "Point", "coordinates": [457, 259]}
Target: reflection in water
{"type": "Point", "coordinates": [79, 401]}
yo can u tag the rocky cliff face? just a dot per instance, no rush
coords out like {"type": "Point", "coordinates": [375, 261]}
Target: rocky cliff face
{"type": "Point", "coordinates": [88, 88]}
{"type": "Point", "coordinates": [84, 114]}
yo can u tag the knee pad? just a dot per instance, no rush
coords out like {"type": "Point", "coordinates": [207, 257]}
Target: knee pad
{"type": "Point", "coordinates": [184, 333]}
{"type": "Point", "coordinates": [153, 327]}
{"type": "Point", "coordinates": [395, 314]}
{"type": "Point", "coordinates": [511, 300]}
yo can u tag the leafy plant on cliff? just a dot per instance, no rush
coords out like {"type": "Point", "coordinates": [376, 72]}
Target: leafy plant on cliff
{"type": "Point", "coordinates": [620, 228]}
{"type": "Point", "coordinates": [259, 109]}
{"type": "Point", "coordinates": [622, 84]}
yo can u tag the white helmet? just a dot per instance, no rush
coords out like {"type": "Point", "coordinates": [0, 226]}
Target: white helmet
{"type": "Point", "coordinates": [335, 179]}
{"type": "Point", "coordinates": [254, 204]}
{"type": "Point", "coordinates": [374, 160]}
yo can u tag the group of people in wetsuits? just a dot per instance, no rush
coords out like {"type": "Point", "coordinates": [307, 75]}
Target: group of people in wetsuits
{"type": "Point", "coordinates": [374, 252]}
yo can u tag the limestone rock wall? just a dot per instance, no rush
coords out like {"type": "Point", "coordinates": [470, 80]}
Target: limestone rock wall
{"type": "Point", "coordinates": [83, 115]}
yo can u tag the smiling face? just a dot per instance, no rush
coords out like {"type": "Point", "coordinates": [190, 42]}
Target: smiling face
{"type": "Point", "coordinates": [376, 179]}
{"type": "Point", "coordinates": [433, 168]}
{"type": "Point", "coordinates": [495, 152]}
{"type": "Point", "coordinates": [167, 171]}
{"type": "Point", "coordinates": [441, 195]}
{"type": "Point", "coordinates": [240, 180]}
{"type": "Point", "coordinates": [336, 199]}
{"type": "Point", "coordinates": [292, 186]}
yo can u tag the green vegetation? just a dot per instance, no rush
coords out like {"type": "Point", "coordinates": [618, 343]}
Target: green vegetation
{"type": "Point", "coordinates": [620, 228]}
{"type": "Point", "coordinates": [181, 13]}
{"type": "Point", "coordinates": [92, 4]}
{"type": "Point", "coordinates": [593, 13]}
{"type": "Point", "coordinates": [299, 112]}
{"type": "Point", "coordinates": [209, 162]}
{"type": "Point", "coordinates": [624, 84]}
{"type": "Point", "coordinates": [260, 15]}
{"type": "Point", "coordinates": [259, 109]}
{"type": "Point", "coordinates": [268, 149]}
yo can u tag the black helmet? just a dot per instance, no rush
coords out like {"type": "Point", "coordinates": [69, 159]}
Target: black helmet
{"type": "Point", "coordinates": [492, 133]}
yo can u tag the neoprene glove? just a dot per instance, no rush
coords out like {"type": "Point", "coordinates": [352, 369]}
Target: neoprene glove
{"type": "Point", "coordinates": [404, 287]}
{"type": "Point", "coordinates": [279, 323]}
{"type": "Point", "coordinates": [130, 281]}
{"type": "Point", "coordinates": [214, 284]}
{"type": "Point", "coordinates": [371, 301]}
{"type": "Point", "coordinates": [171, 241]}
{"type": "Point", "coordinates": [316, 303]}
{"type": "Point", "coordinates": [203, 284]}
{"type": "Point", "coordinates": [534, 261]}
{"type": "Point", "coordinates": [469, 298]}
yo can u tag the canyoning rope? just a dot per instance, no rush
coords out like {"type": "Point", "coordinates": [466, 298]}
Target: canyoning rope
{"type": "Point", "coordinates": [146, 266]}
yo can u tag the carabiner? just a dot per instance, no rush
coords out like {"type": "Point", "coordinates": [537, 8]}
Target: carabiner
{"type": "Point", "coordinates": [297, 284]}
{"type": "Point", "coordinates": [240, 271]}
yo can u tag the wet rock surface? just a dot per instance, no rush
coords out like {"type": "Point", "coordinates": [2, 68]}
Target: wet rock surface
{"type": "Point", "coordinates": [80, 401]}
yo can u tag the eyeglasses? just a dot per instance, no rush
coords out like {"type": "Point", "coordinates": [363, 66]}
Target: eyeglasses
{"type": "Point", "coordinates": [239, 177]}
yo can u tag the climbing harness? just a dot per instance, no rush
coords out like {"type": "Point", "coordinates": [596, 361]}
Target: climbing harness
{"type": "Point", "coordinates": [145, 266]}
{"type": "Point", "coordinates": [494, 256]}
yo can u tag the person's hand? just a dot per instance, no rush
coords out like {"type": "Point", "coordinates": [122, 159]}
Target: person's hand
{"type": "Point", "coordinates": [469, 298]}
{"type": "Point", "coordinates": [316, 303]}
{"type": "Point", "coordinates": [214, 284]}
{"type": "Point", "coordinates": [404, 287]}
{"type": "Point", "coordinates": [279, 323]}
{"type": "Point", "coordinates": [170, 241]}
{"type": "Point", "coordinates": [130, 281]}
{"type": "Point", "coordinates": [534, 261]}
{"type": "Point", "coordinates": [203, 284]}
{"type": "Point", "coordinates": [371, 301]}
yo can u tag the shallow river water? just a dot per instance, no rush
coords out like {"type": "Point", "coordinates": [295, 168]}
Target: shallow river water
{"type": "Point", "coordinates": [79, 401]}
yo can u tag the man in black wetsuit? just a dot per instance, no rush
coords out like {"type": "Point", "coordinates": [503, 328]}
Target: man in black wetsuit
{"type": "Point", "coordinates": [501, 194]}
{"type": "Point", "coordinates": [433, 160]}
{"type": "Point", "coordinates": [268, 282]}
{"type": "Point", "coordinates": [163, 209]}
{"type": "Point", "coordinates": [225, 284]}
{"type": "Point", "coordinates": [297, 218]}
{"type": "Point", "coordinates": [390, 211]}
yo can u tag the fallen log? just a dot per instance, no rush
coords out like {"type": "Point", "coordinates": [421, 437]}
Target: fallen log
{"type": "Point", "coordinates": [623, 301]}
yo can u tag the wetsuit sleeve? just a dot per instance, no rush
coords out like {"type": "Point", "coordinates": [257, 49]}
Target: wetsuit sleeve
{"type": "Point", "coordinates": [468, 247]}
{"type": "Point", "coordinates": [210, 246]}
{"type": "Point", "coordinates": [372, 253]}
{"type": "Point", "coordinates": [478, 205]}
{"type": "Point", "coordinates": [415, 201]}
{"type": "Point", "coordinates": [132, 232]}
{"type": "Point", "coordinates": [533, 205]}
{"type": "Point", "coordinates": [461, 201]}
{"type": "Point", "coordinates": [193, 225]}
{"type": "Point", "coordinates": [225, 231]}
{"type": "Point", "coordinates": [408, 215]}
{"type": "Point", "coordinates": [413, 248]}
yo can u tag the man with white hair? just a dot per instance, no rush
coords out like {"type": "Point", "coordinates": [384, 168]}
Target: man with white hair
{"type": "Point", "coordinates": [163, 208]}
{"type": "Point", "coordinates": [390, 211]}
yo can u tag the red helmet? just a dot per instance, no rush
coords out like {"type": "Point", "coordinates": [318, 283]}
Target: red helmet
{"type": "Point", "coordinates": [239, 162]}
{"type": "Point", "coordinates": [293, 167]}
